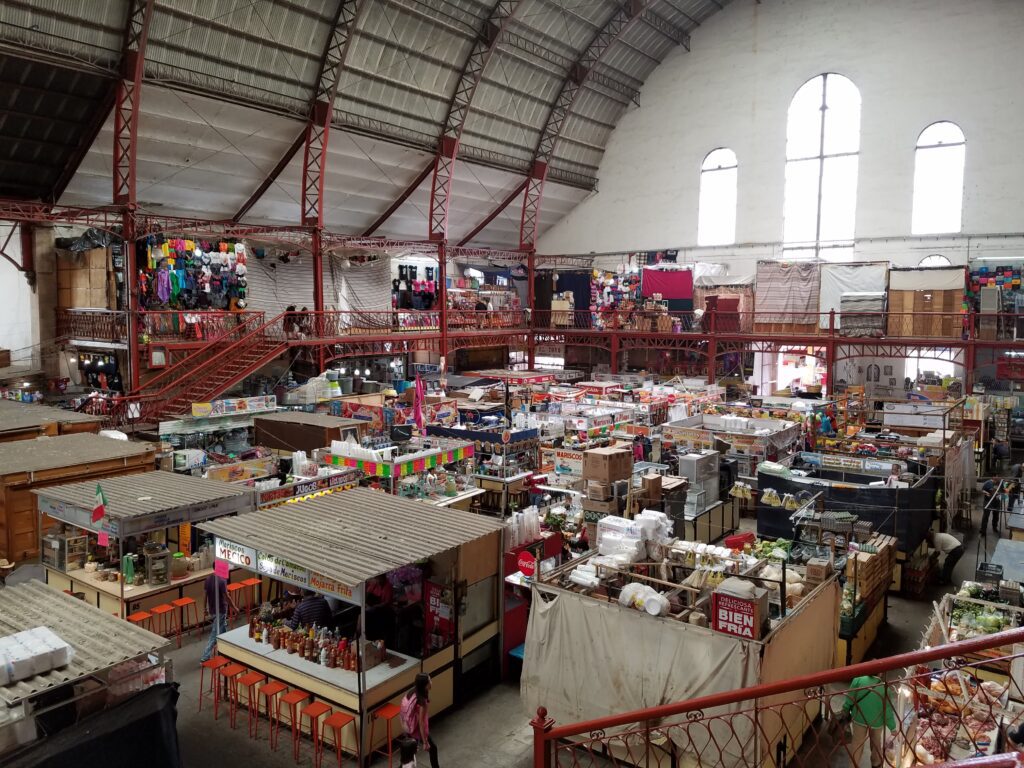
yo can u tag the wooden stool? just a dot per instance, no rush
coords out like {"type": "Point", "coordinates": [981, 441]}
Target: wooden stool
{"type": "Point", "coordinates": [249, 682]}
{"type": "Point", "coordinates": [212, 664]}
{"type": "Point", "coordinates": [183, 604]}
{"type": "Point", "coordinates": [140, 618]}
{"type": "Point", "coordinates": [387, 712]}
{"type": "Point", "coordinates": [336, 723]}
{"type": "Point", "coordinates": [314, 712]}
{"type": "Point", "coordinates": [292, 699]}
{"type": "Point", "coordinates": [229, 673]}
{"type": "Point", "coordinates": [163, 615]}
{"type": "Point", "coordinates": [269, 691]}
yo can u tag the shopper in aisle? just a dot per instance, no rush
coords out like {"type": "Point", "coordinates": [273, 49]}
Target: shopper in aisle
{"type": "Point", "coordinates": [991, 491]}
{"type": "Point", "coordinates": [416, 716]}
{"type": "Point", "coordinates": [312, 610]}
{"type": "Point", "coordinates": [870, 713]}
{"type": "Point", "coordinates": [948, 550]}
{"type": "Point", "coordinates": [218, 603]}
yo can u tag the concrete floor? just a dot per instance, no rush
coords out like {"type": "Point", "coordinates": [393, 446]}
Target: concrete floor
{"type": "Point", "coordinates": [491, 731]}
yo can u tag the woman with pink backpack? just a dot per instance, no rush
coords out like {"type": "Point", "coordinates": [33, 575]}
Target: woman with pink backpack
{"type": "Point", "coordinates": [416, 716]}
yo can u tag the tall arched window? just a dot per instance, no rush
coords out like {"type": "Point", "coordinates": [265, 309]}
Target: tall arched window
{"type": "Point", "coordinates": [822, 147]}
{"type": "Point", "coordinates": [938, 179]}
{"type": "Point", "coordinates": [716, 211]}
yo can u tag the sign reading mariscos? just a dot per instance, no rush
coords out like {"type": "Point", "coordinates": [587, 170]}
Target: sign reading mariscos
{"type": "Point", "coordinates": [235, 554]}
{"type": "Point", "coordinates": [282, 569]}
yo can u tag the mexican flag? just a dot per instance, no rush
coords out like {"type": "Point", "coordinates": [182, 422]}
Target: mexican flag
{"type": "Point", "coordinates": [99, 509]}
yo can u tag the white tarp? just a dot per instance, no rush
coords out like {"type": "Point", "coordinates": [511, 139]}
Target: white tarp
{"type": "Point", "coordinates": [837, 279]}
{"type": "Point", "coordinates": [586, 659]}
{"type": "Point", "coordinates": [714, 281]}
{"type": "Point", "coordinates": [927, 279]}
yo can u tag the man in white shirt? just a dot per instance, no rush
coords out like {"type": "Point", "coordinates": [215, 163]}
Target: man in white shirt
{"type": "Point", "coordinates": [949, 550]}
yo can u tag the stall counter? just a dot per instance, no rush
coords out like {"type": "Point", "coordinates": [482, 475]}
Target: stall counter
{"type": "Point", "coordinates": [1010, 555]}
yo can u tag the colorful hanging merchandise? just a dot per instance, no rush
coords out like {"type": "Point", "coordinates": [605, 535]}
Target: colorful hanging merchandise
{"type": "Point", "coordinates": [187, 274]}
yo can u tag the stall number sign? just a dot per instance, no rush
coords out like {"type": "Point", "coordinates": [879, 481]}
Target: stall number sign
{"type": "Point", "coordinates": [735, 616]}
{"type": "Point", "coordinates": [283, 569]}
{"type": "Point", "coordinates": [235, 553]}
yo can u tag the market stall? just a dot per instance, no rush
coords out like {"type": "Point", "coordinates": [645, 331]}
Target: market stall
{"type": "Point", "coordinates": [24, 421]}
{"type": "Point", "coordinates": [747, 621]}
{"type": "Point", "coordinates": [95, 662]}
{"type": "Point", "coordinates": [143, 551]}
{"type": "Point", "coordinates": [26, 465]}
{"type": "Point", "coordinates": [299, 431]}
{"type": "Point", "coordinates": [445, 620]}
{"type": "Point", "coordinates": [750, 440]}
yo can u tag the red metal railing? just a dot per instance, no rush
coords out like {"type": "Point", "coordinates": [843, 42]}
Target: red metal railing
{"type": "Point", "coordinates": [939, 703]}
{"type": "Point", "coordinates": [99, 325]}
{"type": "Point", "coordinates": [190, 327]}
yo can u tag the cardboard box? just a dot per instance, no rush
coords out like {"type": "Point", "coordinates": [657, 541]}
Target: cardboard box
{"type": "Point", "coordinates": [818, 570]}
{"type": "Point", "coordinates": [651, 485]}
{"type": "Point", "coordinates": [607, 464]}
{"type": "Point", "coordinates": [611, 506]}
{"type": "Point", "coordinates": [598, 490]}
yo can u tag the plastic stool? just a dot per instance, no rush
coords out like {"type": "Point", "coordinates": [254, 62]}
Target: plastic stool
{"type": "Point", "coordinates": [314, 712]}
{"type": "Point", "coordinates": [292, 699]}
{"type": "Point", "coordinates": [163, 616]}
{"type": "Point", "coordinates": [269, 691]}
{"type": "Point", "coordinates": [336, 723]}
{"type": "Point", "coordinates": [249, 681]}
{"type": "Point", "coordinates": [183, 604]}
{"type": "Point", "coordinates": [233, 590]}
{"type": "Point", "coordinates": [230, 674]}
{"type": "Point", "coordinates": [212, 664]}
{"type": "Point", "coordinates": [141, 617]}
{"type": "Point", "coordinates": [387, 712]}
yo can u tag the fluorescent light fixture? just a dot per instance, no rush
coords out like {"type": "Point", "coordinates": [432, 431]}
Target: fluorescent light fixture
{"type": "Point", "coordinates": [999, 258]}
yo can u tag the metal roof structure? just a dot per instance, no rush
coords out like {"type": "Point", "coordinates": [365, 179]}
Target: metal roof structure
{"type": "Point", "coordinates": [354, 535]}
{"type": "Point", "coordinates": [231, 88]}
{"type": "Point", "coordinates": [146, 501]}
{"type": "Point", "coordinates": [66, 451]}
{"type": "Point", "coordinates": [100, 641]}
{"type": "Point", "coordinates": [17, 417]}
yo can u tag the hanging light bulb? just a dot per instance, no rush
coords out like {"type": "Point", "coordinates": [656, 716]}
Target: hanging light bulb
{"type": "Point", "coordinates": [343, 370]}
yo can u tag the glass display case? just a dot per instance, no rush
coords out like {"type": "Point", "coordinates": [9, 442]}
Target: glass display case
{"type": "Point", "coordinates": [65, 553]}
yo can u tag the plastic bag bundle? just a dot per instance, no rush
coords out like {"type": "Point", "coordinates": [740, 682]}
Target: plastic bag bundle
{"type": "Point", "coordinates": [770, 496]}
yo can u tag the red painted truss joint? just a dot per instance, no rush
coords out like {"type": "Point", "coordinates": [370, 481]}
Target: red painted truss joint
{"type": "Point", "coordinates": [449, 146]}
{"type": "Point", "coordinates": [321, 112]}
{"type": "Point", "coordinates": [539, 170]}
{"type": "Point", "coordinates": [578, 74]}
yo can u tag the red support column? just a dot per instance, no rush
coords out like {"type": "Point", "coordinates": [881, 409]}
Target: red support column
{"type": "Point", "coordinates": [970, 363]}
{"type": "Point", "coordinates": [26, 231]}
{"type": "Point", "coordinates": [131, 292]}
{"type": "Point", "coordinates": [316, 246]}
{"type": "Point", "coordinates": [614, 362]}
{"type": "Point", "coordinates": [442, 299]}
{"type": "Point", "coordinates": [126, 102]}
{"type": "Point", "coordinates": [712, 347]}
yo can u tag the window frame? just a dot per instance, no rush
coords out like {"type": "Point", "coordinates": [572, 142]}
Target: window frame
{"type": "Point", "coordinates": [704, 169]}
{"type": "Point", "coordinates": [932, 147]}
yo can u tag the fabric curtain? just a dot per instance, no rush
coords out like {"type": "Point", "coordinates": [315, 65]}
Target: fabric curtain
{"type": "Point", "coordinates": [837, 279]}
{"type": "Point", "coordinates": [670, 283]}
{"type": "Point", "coordinates": [787, 292]}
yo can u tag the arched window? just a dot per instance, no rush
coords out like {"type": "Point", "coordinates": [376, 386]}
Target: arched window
{"type": "Point", "coordinates": [938, 179]}
{"type": "Point", "coordinates": [716, 211]}
{"type": "Point", "coordinates": [935, 260]}
{"type": "Point", "coordinates": [822, 151]}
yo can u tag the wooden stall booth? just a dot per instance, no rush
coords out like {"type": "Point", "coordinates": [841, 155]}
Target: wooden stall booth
{"type": "Point", "coordinates": [442, 616]}
{"type": "Point", "coordinates": [148, 521]}
{"type": "Point", "coordinates": [26, 465]}
{"type": "Point", "coordinates": [24, 421]}
{"type": "Point", "coordinates": [300, 431]}
{"type": "Point", "coordinates": [111, 662]}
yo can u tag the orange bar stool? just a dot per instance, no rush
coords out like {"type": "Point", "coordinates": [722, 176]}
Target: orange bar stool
{"type": "Point", "coordinates": [163, 619]}
{"type": "Point", "coordinates": [314, 712]}
{"type": "Point", "coordinates": [336, 723]}
{"type": "Point", "coordinates": [183, 604]}
{"type": "Point", "coordinates": [229, 674]}
{"type": "Point", "coordinates": [254, 585]}
{"type": "Point", "coordinates": [143, 619]}
{"type": "Point", "coordinates": [249, 681]}
{"type": "Point", "coordinates": [292, 699]}
{"type": "Point", "coordinates": [235, 590]}
{"type": "Point", "coordinates": [269, 691]}
{"type": "Point", "coordinates": [387, 713]}
{"type": "Point", "coordinates": [213, 664]}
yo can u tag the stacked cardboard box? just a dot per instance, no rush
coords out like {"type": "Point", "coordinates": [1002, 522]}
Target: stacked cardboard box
{"type": "Point", "coordinates": [818, 570]}
{"type": "Point", "coordinates": [83, 280]}
{"type": "Point", "coordinates": [872, 571]}
{"type": "Point", "coordinates": [606, 472]}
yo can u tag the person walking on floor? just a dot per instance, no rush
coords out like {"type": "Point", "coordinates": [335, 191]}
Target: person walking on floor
{"type": "Point", "coordinates": [218, 602]}
{"type": "Point", "coordinates": [991, 504]}
{"type": "Point", "coordinates": [948, 549]}
{"type": "Point", "coordinates": [416, 716]}
{"type": "Point", "coordinates": [870, 713]}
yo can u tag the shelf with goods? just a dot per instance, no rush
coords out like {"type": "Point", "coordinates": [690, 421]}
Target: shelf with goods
{"type": "Point", "coordinates": [464, 303]}
{"type": "Point", "coordinates": [751, 440]}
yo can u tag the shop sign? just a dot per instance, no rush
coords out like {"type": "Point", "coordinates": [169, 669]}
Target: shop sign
{"type": "Point", "coordinates": [438, 625]}
{"type": "Point", "coordinates": [527, 563]}
{"type": "Point", "coordinates": [235, 554]}
{"type": "Point", "coordinates": [279, 568]}
{"type": "Point", "coordinates": [234, 405]}
{"type": "Point", "coordinates": [835, 461]}
{"type": "Point", "coordinates": [735, 616]}
{"type": "Point", "coordinates": [335, 588]}
{"type": "Point", "coordinates": [563, 462]}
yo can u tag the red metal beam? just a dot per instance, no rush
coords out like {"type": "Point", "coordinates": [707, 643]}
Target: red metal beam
{"type": "Point", "coordinates": [406, 194]}
{"type": "Point", "coordinates": [271, 177]}
{"type": "Point", "coordinates": [494, 214]}
{"type": "Point", "coordinates": [127, 100]}
{"type": "Point", "coordinates": [623, 18]}
{"type": "Point", "coordinates": [458, 109]}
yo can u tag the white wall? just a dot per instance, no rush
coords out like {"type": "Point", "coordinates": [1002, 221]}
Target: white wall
{"type": "Point", "coordinates": [914, 61]}
{"type": "Point", "coordinates": [18, 314]}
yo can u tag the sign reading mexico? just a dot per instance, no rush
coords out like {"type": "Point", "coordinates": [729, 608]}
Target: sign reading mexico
{"type": "Point", "coordinates": [235, 553]}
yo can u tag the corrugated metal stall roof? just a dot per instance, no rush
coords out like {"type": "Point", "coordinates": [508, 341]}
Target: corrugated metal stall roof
{"type": "Point", "coordinates": [18, 416]}
{"type": "Point", "coordinates": [100, 640]}
{"type": "Point", "coordinates": [354, 535]}
{"type": "Point", "coordinates": [151, 494]}
{"type": "Point", "coordinates": [66, 451]}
